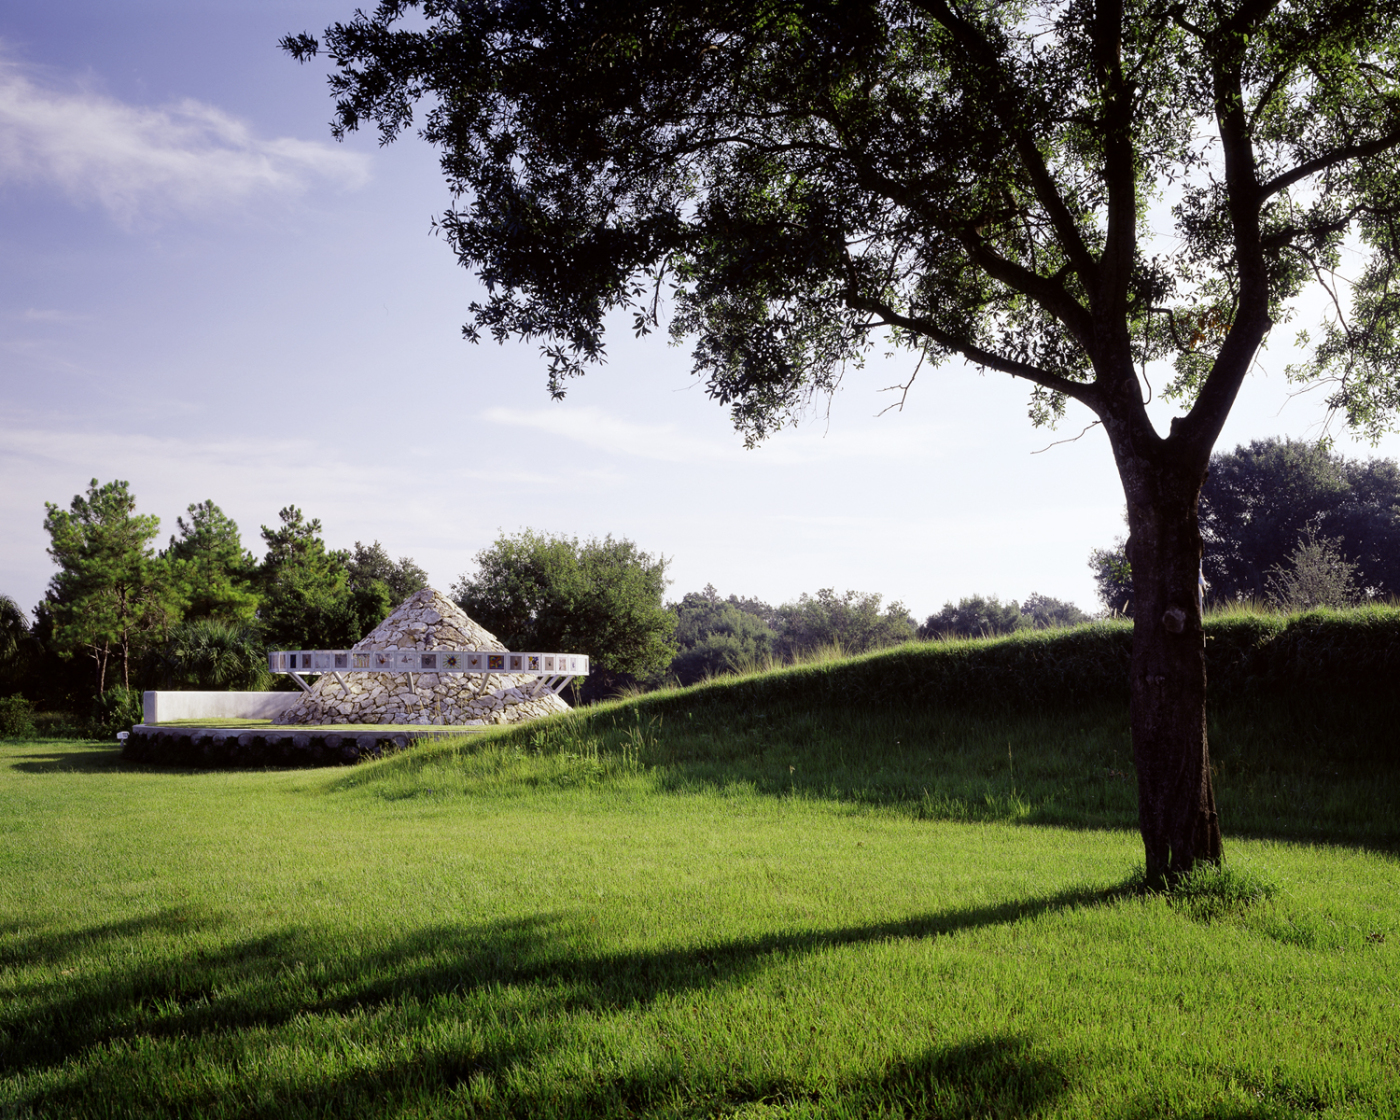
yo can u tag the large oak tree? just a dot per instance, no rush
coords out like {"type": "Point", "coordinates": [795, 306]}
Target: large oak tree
{"type": "Point", "coordinates": [977, 178]}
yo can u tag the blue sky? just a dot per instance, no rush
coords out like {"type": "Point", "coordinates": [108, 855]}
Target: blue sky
{"type": "Point", "coordinates": [204, 295]}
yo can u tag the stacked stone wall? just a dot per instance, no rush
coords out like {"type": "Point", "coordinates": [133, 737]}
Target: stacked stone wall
{"type": "Point", "coordinates": [426, 621]}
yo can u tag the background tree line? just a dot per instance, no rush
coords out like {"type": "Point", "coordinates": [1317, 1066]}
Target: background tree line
{"type": "Point", "coordinates": [1284, 521]}
{"type": "Point", "coordinates": [1289, 523]}
{"type": "Point", "coordinates": [121, 615]}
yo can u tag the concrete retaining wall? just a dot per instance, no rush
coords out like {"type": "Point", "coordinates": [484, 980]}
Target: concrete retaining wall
{"type": "Point", "coordinates": [162, 707]}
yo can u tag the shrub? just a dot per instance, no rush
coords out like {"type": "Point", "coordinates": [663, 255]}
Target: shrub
{"type": "Point", "coordinates": [208, 653]}
{"type": "Point", "coordinates": [16, 718]}
{"type": "Point", "coordinates": [1316, 574]}
{"type": "Point", "coordinates": [118, 709]}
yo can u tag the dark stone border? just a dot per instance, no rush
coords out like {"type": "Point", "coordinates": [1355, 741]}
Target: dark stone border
{"type": "Point", "coordinates": [218, 748]}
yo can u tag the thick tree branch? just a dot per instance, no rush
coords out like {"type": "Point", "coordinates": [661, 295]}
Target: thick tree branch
{"type": "Point", "coordinates": [1083, 391]}
{"type": "Point", "coordinates": [1330, 159]}
{"type": "Point", "coordinates": [1120, 177]}
{"type": "Point", "coordinates": [1201, 426]}
{"type": "Point", "coordinates": [1046, 291]}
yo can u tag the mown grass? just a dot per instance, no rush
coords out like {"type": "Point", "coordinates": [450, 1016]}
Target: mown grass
{"type": "Point", "coordinates": [683, 906]}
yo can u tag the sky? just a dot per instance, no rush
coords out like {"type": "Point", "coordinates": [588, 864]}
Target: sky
{"type": "Point", "coordinates": [204, 295]}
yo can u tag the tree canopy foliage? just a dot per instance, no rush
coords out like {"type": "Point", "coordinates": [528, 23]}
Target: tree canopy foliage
{"type": "Point", "coordinates": [307, 598]}
{"type": "Point", "coordinates": [1044, 612]}
{"type": "Point", "coordinates": [723, 635]}
{"type": "Point", "coordinates": [795, 175]}
{"type": "Point", "coordinates": [976, 617]}
{"type": "Point", "coordinates": [1113, 577]}
{"type": "Point", "coordinates": [718, 636]}
{"type": "Point", "coordinates": [602, 597]}
{"type": "Point", "coordinates": [215, 572]}
{"type": "Point", "coordinates": [853, 622]}
{"type": "Point", "coordinates": [365, 564]}
{"type": "Point", "coordinates": [1262, 498]}
{"type": "Point", "coordinates": [1278, 511]}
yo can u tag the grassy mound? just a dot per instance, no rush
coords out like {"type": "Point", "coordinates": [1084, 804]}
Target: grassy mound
{"type": "Point", "coordinates": [1031, 728]}
{"type": "Point", "coordinates": [1250, 655]}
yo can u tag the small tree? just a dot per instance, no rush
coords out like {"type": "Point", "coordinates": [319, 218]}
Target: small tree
{"type": "Point", "coordinates": [599, 597]}
{"type": "Point", "coordinates": [1316, 575]}
{"type": "Point", "coordinates": [111, 594]}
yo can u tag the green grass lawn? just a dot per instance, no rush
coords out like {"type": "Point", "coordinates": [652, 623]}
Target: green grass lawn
{"type": "Point", "coordinates": [649, 911]}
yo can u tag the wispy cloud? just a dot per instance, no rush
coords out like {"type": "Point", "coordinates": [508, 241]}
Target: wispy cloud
{"type": "Point", "coordinates": [134, 161]}
{"type": "Point", "coordinates": [46, 315]}
{"type": "Point", "coordinates": [596, 429]}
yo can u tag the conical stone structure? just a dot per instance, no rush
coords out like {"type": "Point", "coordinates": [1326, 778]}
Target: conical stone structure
{"type": "Point", "coordinates": [426, 620]}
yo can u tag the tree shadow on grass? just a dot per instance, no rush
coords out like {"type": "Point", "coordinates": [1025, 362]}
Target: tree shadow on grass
{"type": "Point", "coordinates": [216, 1000]}
{"type": "Point", "coordinates": [91, 758]}
{"type": "Point", "coordinates": [999, 1075]}
{"type": "Point", "coordinates": [48, 759]}
{"type": "Point", "coordinates": [22, 946]}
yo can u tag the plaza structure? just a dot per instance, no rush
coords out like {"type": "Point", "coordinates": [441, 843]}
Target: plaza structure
{"type": "Point", "coordinates": [401, 673]}
{"type": "Point", "coordinates": [427, 670]}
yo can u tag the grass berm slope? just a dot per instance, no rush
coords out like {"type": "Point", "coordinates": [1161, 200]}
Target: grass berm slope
{"type": "Point", "coordinates": [1304, 727]}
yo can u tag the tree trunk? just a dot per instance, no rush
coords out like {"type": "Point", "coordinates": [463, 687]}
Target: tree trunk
{"type": "Point", "coordinates": [1176, 801]}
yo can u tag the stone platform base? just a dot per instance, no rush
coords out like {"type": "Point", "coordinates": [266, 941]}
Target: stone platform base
{"type": "Point", "coordinates": [237, 747]}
